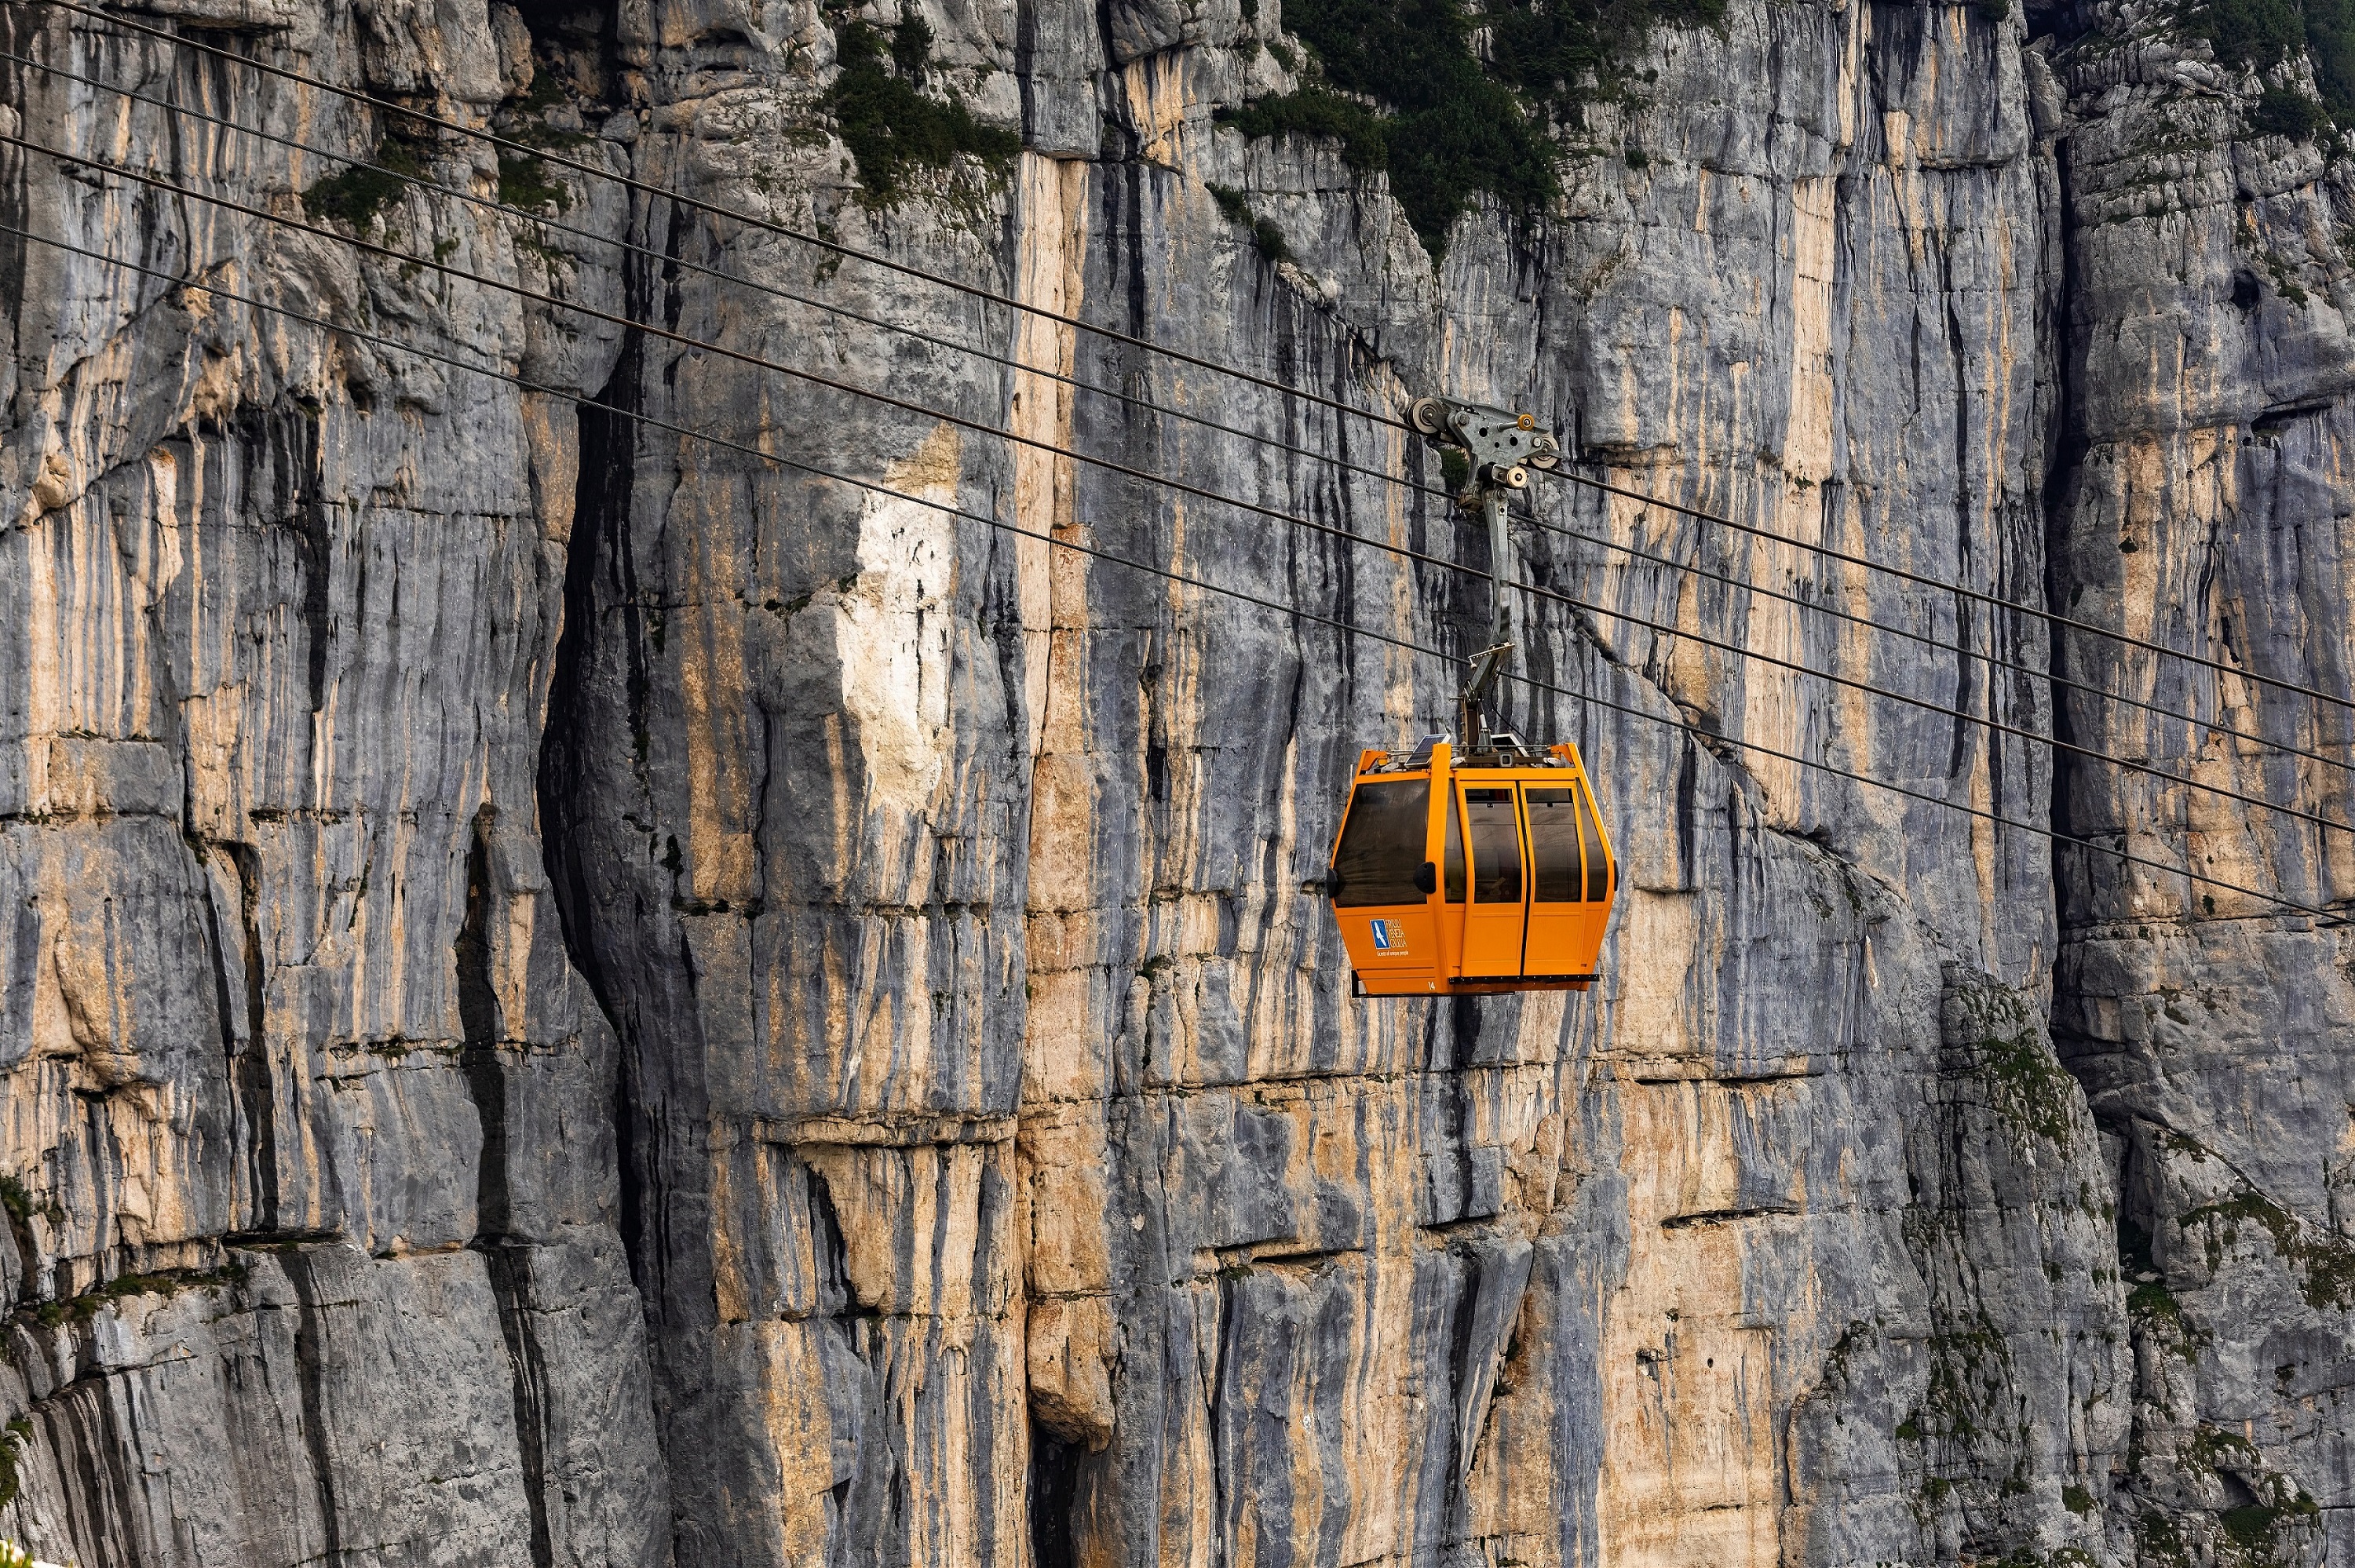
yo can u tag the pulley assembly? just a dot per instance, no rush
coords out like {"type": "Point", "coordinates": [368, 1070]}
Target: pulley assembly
{"type": "Point", "coordinates": [1476, 862]}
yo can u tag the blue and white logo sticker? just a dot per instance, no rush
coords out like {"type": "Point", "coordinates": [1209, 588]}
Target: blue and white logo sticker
{"type": "Point", "coordinates": [1390, 936]}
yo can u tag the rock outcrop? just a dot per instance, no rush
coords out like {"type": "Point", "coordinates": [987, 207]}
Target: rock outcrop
{"type": "Point", "coordinates": [575, 994]}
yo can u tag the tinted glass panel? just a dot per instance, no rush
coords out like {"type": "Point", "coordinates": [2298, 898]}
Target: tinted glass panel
{"type": "Point", "coordinates": [1454, 853]}
{"type": "Point", "coordinates": [1554, 843]}
{"type": "Point", "coordinates": [1382, 843]}
{"type": "Point", "coordinates": [1598, 864]}
{"type": "Point", "coordinates": [1495, 830]}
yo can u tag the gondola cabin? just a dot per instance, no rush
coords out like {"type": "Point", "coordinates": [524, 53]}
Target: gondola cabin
{"type": "Point", "coordinates": [1490, 875]}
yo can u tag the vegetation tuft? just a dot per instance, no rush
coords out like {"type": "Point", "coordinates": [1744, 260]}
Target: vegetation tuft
{"type": "Point", "coordinates": [21, 1205]}
{"type": "Point", "coordinates": [2214, 1449]}
{"type": "Point", "coordinates": [2028, 1084]}
{"type": "Point", "coordinates": [1970, 1369]}
{"type": "Point", "coordinates": [2286, 112]}
{"type": "Point", "coordinates": [892, 129]}
{"type": "Point", "coordinates": [1397, 84]}
{"type": "Point", "coordinates": [1232, 205]}
{"type": "Point", "coordinates": [2150, 1303]}
{"type": "Point", "coordinates": [358, 194]}
{"type": "Point", "coordinates": [13, 1439]}
{"type": "Point", "coordinates": [81, 1308]}
{"type": "Point", "coordinates": [2325, 1263]}
{"type": "Point", "coordinates": [524, 182]}
{"type": "Point", "coordinates": [1236, 209]}
{"type": "Point", "coordinates": [2259, 35]}
{"type": "Point", "coordinates": [1564, 52]}
{"type": "Point", "coordinates": [2158, 1540]}
{"type": "Point", "coordinates": [1315, 110]}
{"type": "Point", "coordinates": [2152, 1299]}
{"type": "Point", "coordinates": [2253, 1526]}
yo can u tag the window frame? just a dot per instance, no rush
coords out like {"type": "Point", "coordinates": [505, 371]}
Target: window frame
{"type": "Point", "coordinates": [1361, 793]}
{"type": "Point", "coordinates": [1601, 877]}
{"type": "Point", "coordinates": [1512, 802]}
{"type": "Point", "coordinates": [1562, 794]}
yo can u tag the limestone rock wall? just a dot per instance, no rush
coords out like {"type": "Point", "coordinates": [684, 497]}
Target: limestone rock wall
{"type": "Point", "coordinates": [2206, 505]}
{"type": "Point", "coordinates": [576, 995]}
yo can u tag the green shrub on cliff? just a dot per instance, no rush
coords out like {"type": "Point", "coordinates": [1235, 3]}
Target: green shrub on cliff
{"type": "Point", "coordinates": [892, 129]}
{"type": "Point", "coordinates": [2259, 35]}
{"type": "Point", "coordinates": [357, 194]}
{"type": "Point", "coordinates": [1236, 209]}
{"type": "Point", "coordinates": [1315, 110]}
{"type": "Point", "coordinates": [13, 1437]}
{"type": "Point", "coordinates": [2259, 32]}
{"type": "Point", "coordinates": [2286, 112]}
{"type": "Point", "coordinates": [1397, 84]}
{"type": "Point", "coordinates": [1563, 52]}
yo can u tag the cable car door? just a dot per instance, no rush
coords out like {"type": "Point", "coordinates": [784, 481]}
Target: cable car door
{"type": "Point", "coordinates": [1493, 920]}
{"type": "Point", "coordinates": [1570, 881]}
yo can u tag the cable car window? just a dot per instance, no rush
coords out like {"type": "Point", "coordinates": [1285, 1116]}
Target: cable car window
{"type": "Point", "coordinates": [1554, 843]}
{"type": "Point", "coordinates": [1382, 843]}
{"type": "Point", "coordinates": [1598, 863]}
{"type": "Point", "coordinates": [1494, 829]}
{"type": "Point", "coordinates": [1454, 853]}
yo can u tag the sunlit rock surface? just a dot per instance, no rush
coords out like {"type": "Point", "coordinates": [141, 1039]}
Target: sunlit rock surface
{"type": "Point", "coordinates": [576, 995]}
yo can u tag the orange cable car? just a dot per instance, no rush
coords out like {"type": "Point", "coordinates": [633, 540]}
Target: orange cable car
{"type": "Point", "coordinates": [1486, 869]}
{"type": "Point", "coordinates": [1487, 875]}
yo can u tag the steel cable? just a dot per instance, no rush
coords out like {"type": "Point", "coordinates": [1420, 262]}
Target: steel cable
{"type": "Point", "coordinates": [984, 427]}
{"type": "Point", "coordinates": [1137, 400]}
{"type": "Point", "coordinates": [852, 253]}
{"type": "Point", "coordinates": [835, 246]}
{"type": "Point", "coordinates": [1747, 585]}
{"type": "Point", "coordinates": [2051, 617]}
{"type": "Point", "coordinates": [1349, 629]}
{"type": "Point", "coordinates": [666, 258]}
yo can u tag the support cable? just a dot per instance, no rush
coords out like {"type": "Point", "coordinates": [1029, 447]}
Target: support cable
{"type": "Point", "coordinates": [984, 427]}
{"type": "Point", "coordinates": [1745, 585]}
{"type": "Point", "coordinates": [713, 209]}
{"type": "Point", "coordinates": [408, 260]}
{"type": "Point", "coordinates": [1692, 735]}
{"type": "Point", "coordinates": [2053, 618]}
{"type": "Point", "coordinates": [1140, 402]}
{"type": "Point", "coordinates": [852, 253]}
{"type": "Point", "coordinates": [665, 259]}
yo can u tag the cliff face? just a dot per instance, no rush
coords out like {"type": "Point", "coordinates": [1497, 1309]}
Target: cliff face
{"type": "Point", "coordinates": [572, 995]}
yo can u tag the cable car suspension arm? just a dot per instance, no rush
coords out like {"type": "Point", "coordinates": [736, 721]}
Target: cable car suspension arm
{"type": "Point", "coordinates": [1500, 447]}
